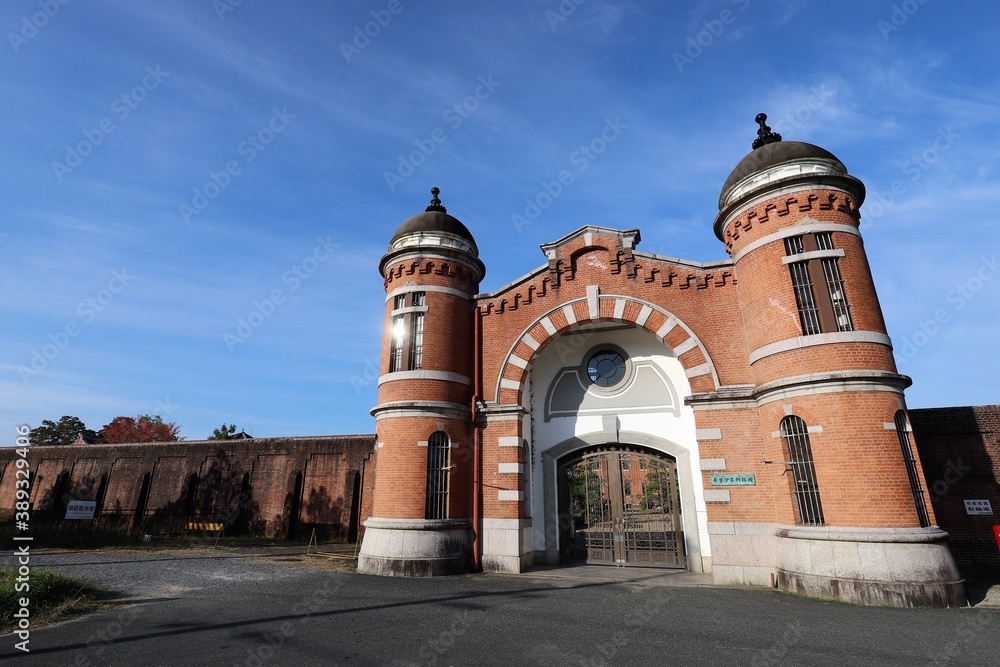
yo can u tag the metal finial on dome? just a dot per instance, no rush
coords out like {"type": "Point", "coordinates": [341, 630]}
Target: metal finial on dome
{"type": "Point", "coordinates": [435, 202]}
{"type": "Point", "coordinates": [764, 134]}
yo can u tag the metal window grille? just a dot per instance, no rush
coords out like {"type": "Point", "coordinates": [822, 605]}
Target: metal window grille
{"type": "Point", "coordinates": [796, 437]}
{"type": "Point", "coordinates": [804, 299]}
{"type": "Point", "coordinates": [824, 241]}
{"type": "Point", "coordinates": [437, 476]}
{"type": "Point", "coordinates": [399, 301]}
{"type": "Point", "coordinates": [419, 299]}
{"type": "Point", "coordinates": [416, 341]}
{"type": "Point", "coordinates": [396, 345]}
{"type": "Point", "coordinates": [835, 283]}
{"type": "Point", "coordinates": [793, 245]}
{"type": "Point", "coordinates": [911, 469]}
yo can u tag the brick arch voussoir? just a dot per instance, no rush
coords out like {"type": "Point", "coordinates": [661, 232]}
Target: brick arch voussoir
{"type": "Point", "coordinates": [657, 321]}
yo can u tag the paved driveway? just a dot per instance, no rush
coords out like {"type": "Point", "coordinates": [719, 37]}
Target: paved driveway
{"type": "Point", "coordinates": [227, 608]}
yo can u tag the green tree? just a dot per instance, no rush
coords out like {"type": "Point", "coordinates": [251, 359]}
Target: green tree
{"type": "Point", "coordinates": [224, 432]}
{"type": "Point", "coordinates": [63, 432]}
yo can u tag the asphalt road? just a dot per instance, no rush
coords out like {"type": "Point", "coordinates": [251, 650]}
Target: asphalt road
{"type": "Point", "coordinates": [204, 610]}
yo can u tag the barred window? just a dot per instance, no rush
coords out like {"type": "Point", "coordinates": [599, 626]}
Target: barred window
{"type": "Point", "coordinates": [796, 437]}
{"type": "Point", "coordinates": [396, 336]}
{"type": "Point", "coordinates": [838, 299]}
{"type": "Point", "coordinates": [417, 334]}
{"type": "Point", "coordinates": [911, 469]}
{"type": "Point", "coordinates": [827, 309]}
{"type": "Point", "coordinates": [438, 448]}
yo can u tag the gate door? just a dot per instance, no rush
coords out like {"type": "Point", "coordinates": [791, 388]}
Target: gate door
{"type": "Point", "coordinates": [623, 509]}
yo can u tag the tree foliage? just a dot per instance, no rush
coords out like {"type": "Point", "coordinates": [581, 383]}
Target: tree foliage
{"type": "Point", "coordinates": [144, 428]}
{"type": "Point", "coordinates": [224, 432]}
{"type": "Point", "coordinates": [63, 432]}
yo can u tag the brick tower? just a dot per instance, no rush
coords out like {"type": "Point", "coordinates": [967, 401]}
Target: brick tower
{"type": "Point", "coordinates": [422, 509]}
{"type": "Point", "coordinates": [856, 522]}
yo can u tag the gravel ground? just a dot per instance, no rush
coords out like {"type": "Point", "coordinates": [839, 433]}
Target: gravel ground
{"type": "Point", "coordinates": [126, 573]}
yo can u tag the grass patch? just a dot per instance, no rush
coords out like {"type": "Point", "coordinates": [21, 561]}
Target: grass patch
{"type": "Point", "coordinates": [52, 597]}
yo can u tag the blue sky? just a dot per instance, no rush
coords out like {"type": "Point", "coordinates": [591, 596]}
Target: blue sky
{"type": "Point", "coordinates": [168, 169]}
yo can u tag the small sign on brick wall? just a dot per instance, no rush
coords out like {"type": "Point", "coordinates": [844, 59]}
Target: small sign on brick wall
{"type": "Point", "coordinates": [733, 479]}
{"type": "Point", "coordinates": [81, 509]}
{"type": "Point", "coordinates": [978, 507]}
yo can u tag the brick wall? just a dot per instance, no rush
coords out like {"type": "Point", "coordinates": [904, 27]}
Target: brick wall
{"type": "Point", "coordinates": [277, 487]}
{"type": "Point", "coordinates": [960, 451]}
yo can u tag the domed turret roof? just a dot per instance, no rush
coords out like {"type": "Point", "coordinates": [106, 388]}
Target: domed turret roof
{"type": "Point", "coordinates": [769, 151]}
{"type": "Point", "coordinates": [434, 219]}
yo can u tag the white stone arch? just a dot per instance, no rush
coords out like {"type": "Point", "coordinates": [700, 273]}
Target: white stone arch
{"type": "Point", "coordinates": [624, 309]}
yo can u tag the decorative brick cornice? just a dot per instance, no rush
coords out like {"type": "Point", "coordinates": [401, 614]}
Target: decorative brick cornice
{"type": "Point", "coordinates": [800, 202]}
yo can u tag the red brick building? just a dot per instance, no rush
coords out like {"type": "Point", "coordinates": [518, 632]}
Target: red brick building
{"type": "Point", "coordinates": [754, 401]}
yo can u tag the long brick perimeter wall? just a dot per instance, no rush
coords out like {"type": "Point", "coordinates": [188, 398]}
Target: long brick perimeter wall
{"type": "Point", "coordinates": [274, 487]}
{"type": "Point", "coordinates": [960, 452]}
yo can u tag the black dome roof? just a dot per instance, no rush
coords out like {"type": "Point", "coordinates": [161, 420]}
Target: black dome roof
{"type": "Point", "coordinates": [770, 155]}
{"type": "Point", "coordinates": [434, 219]}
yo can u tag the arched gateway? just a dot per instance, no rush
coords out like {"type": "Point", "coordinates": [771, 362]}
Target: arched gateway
{"type": "Point", "coordinates": [622, 407]}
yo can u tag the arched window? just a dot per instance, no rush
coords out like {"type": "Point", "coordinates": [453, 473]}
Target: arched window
{"type": "Point", "coordinates": [911, 469]}
{"type": "Point", "coordinates": [437, 476]}
{"type": "Point", "coordinates": [796, 437]}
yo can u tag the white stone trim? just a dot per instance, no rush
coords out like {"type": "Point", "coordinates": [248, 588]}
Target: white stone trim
{"type": "Point", "coordinates": [814, 429]}
{"type": "Point", "coordinates": [666, 328]}
{"type": "Point", "coordinates": [421, 443]}
{"type": "Point", "coordinates": [530, 341]}
{"type": "Point", "coordinates": [506, 383]}
{"type": "Point", "coordinates": [716, 495]}
{"type": "Point", "coordinates": [510, 468]}
{"type": "Point", "coordinates": [695, 371]}
{"type": "Point", "coordinates": [406, 289]}
{"type": "Point", "coordinates": [619, 309]}
{"type": "Point", "coordinates": [643, 315]}
{"type": "Point", "coordinates": [568, 312]}
{"type": "Point", "coordinates": [504, 495]}
{"type": "Point", "coordinates": [820, 339]}
{"type": "Point", "coordinates": [712, 464]}
{"type": "Point", "coordinates": [812, 254]}
{"type": "Point", "coordinates": [795, 230]}
{"type": "Point", "coordinates": [686, 346]}
{"type": "Point", "coordinates": [517, 361]}
{"type": "Point", "coordinates": [708, 434]}
{"type": "Point", "coordinates": [548, 326]}
{"type": "Point", "coordinates": [508, 441]}
{"type": "Point", "coordinates": [425, 375]}
{"type": "Point", "coordinates": [593, 301]}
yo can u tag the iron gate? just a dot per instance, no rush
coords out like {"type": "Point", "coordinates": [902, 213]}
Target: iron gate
{"type": "Point", "coordinates": [623, 509]}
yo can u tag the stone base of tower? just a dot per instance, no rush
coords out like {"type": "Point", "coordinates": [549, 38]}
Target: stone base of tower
{"type": "Point", "coordinates": [416, 547]}
{"type": "Point", "coordinates": [896, 567]}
